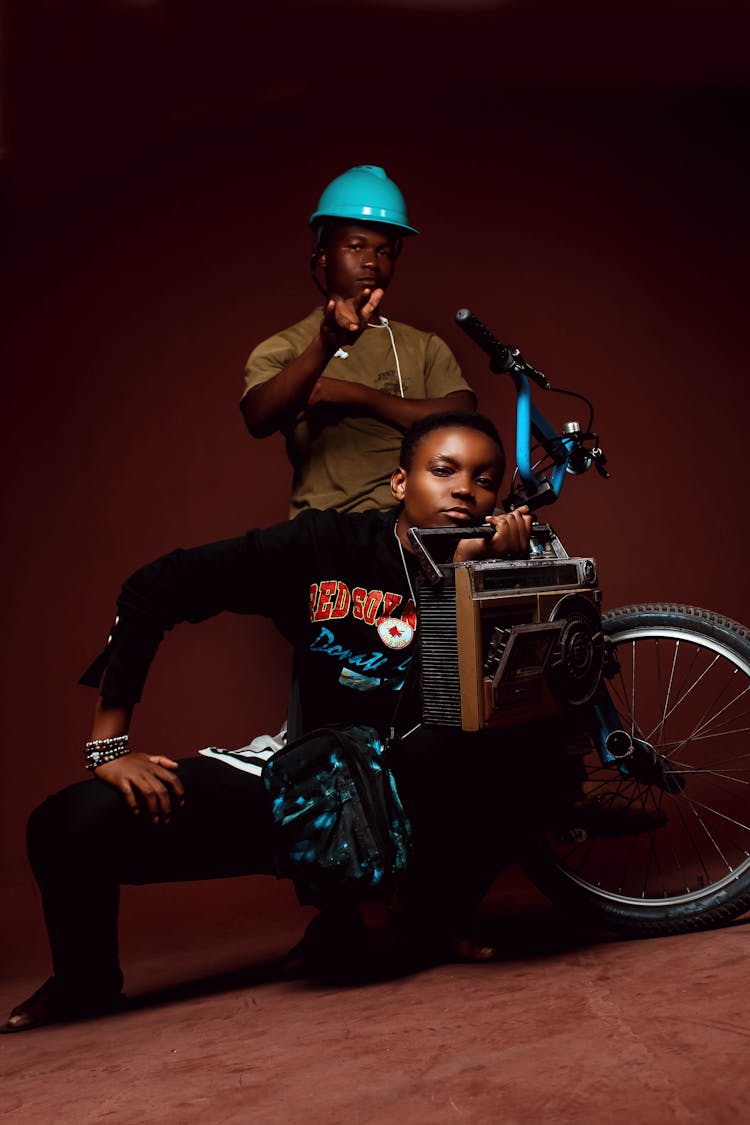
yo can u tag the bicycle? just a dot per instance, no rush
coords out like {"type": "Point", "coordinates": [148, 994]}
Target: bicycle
{"type": "Point", "coordinates": [662, 689]}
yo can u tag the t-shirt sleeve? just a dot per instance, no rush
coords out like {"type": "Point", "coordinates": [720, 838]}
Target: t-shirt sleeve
{"type": "Point", "coordinates": [442, 373]}
{"type": "Point", "coordinates": [272, 355]}
{"type": "Point", "coordinates": [267, 359]}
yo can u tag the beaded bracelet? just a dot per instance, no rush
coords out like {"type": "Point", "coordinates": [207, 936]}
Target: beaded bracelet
{"type": "Point", "coordinates": [101, 750]}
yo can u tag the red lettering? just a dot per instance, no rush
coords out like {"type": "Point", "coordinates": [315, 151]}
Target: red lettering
{"type": "Point", "coordinates": [313, 596]}
{"type": "Point", "coordinates": [335, 600]}
{"type": "Point", "coordinates": [370, 608]}
{"type": "Point", "coordinates": [390, 603]}
{"type": "Point", "coordinates": [327, 590]}
{"type": "Point", "coordinates": [343, 601]}
{"type": "Point", "coordinates": [358, 597]}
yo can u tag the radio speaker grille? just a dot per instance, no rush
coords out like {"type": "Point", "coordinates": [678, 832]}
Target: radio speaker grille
{"type": "Point", "coordinates": [438, 654]}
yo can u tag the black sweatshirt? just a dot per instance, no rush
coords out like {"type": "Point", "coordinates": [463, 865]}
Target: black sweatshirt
{"type": "Point", "coordinates": [335, 586]}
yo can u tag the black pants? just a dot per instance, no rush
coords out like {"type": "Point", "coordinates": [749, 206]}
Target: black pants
{"type": "Point", "coordinates": [473, 801]}
{"type": "Point", "coordinates": [84, 842]}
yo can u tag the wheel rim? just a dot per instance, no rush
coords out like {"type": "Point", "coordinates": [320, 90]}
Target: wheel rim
{"type": "Point", "coordinates": [689, 696]}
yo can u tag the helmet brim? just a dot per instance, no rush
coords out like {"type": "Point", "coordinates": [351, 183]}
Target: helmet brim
{"type": "Point", "coordinates": [377, 217]}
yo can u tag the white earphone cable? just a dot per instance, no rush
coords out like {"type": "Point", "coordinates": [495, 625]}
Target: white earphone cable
{"type": "Point", "coordinates": [384, 324]}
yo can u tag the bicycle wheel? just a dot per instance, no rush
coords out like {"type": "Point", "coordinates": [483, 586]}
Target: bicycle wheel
{"type": "Point", "coordinates": [681, 682]}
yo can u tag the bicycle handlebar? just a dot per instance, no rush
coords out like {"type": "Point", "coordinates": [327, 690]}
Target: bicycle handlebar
{"type": "Point", "coordinates": [573, 451]}
{"type": "Point", "coordinates": [504, 358]}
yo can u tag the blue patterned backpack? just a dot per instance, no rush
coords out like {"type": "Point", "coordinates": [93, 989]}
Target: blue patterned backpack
{"type": "Point", "coordinates": [341, 832]}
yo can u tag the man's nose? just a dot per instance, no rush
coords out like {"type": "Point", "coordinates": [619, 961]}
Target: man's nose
{"type": "Point", "coordinates": [369, 258]}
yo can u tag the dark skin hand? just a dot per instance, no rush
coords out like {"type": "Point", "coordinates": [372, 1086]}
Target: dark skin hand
{"type": "Point", "coordinates": [145, 780]}
{"type": "Point", "coordinates": [150, 781]}
{"type": "Point", "coordinates": [358, 263]}
{"type": "Point", "coordinates": [275, 404]}
{"type": "Point", "coordinates": [511, 538]}
{"type": "Point", "coordinates": [453, 481]}
{"type": "Point", "coordinates": [150, 778]}
{"type": "Point", "coordinates": [346, 318]}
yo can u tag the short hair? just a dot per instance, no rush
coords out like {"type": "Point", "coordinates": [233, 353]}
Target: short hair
{"type": "Point", "coordinates": [448, 419]}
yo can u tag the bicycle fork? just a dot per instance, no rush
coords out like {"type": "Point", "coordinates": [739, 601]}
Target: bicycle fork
{"type": "Point", "coordinates": [620, 748]}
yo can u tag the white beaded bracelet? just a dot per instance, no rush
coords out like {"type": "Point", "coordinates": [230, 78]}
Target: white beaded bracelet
{"type": "Point", "coordinates": [101, 750]}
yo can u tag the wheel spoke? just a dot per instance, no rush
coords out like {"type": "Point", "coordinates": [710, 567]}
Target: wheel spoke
{"type": "Point", "coordinates": [632, 693]}
{"type": "Point", "coordinates": [621, 694]}
{"type": "Point", "coordinates": [699, 732]}
{"type": "Point", "coordinates": [727, 775]}
{"type": "Point", "coordinates": [683, 678]}
{"type": "Point", "coordinates": [694, 806]}
{"type": "Point", "coordinates": [703, 738]}
{"type": "Point", "coordinates": [702, 729]}
{"type": "Point", "coordinates": [669, 688]}
{"type": "Point", "coordinates": [681, 699]}
{"type": "Point", "coordinates": [705, 722]}
{"type": "Point", "coordinates": [696, 850]}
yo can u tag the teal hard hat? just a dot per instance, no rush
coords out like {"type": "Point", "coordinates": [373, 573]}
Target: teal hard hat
{"type": "Point", "coordinates": [365, 194]}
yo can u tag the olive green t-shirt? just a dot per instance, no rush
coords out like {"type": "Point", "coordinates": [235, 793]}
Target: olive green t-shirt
{"type": "Point", "coordinates": [345, 461]}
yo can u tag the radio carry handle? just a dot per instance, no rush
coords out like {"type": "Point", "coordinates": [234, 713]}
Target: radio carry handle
{"type": "Point", "coordinates": [441, 537]}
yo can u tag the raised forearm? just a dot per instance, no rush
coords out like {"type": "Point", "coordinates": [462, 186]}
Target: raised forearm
{"type": "Point", "coordinates": [273, 405]}
{"type": "Point", "coordinates": [269, 407]}
{"type": "Point", "coordinates": [184, 585]}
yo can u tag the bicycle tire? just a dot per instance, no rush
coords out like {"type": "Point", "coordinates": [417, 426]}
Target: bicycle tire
{"type": "Point", "coordinates": [684, 685]}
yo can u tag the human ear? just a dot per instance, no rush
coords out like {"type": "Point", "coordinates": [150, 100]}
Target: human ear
{"type": "Point", "coordinates": [398, 484]}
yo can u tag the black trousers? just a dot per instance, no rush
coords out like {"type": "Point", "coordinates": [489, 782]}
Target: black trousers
{"type": "Point", "coordinates": [476, 802]}
{"type": "Point", "coordinates": [84, 842]}
{"type": "Point", "coordinates": [473, 801]}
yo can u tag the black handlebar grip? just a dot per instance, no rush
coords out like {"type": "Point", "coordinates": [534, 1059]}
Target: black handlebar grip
{"type": "Point", "coordinates": [481, 335]}
{"type": "Point", "coordinates": [503, 357]}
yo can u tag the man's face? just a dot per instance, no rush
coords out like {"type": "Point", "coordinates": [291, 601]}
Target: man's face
{"type": "Point", "coordinates": [358, 256]}
{"type": "Point", "coordinates": [453, 480]}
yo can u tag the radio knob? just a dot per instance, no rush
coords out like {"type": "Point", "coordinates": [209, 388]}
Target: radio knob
{"type": "Point", "coordinates": [589, 572]}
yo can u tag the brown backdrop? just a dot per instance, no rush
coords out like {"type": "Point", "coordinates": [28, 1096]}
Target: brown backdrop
{"type": "Point", "coordinates": [581, 183]}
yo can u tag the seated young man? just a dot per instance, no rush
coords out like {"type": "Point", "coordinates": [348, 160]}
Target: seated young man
{"type": "Point", "coordinates": [335, 585]}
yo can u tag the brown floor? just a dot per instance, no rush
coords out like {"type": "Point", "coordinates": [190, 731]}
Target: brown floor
{"type": "Point", "coordinates": [566, 1027]}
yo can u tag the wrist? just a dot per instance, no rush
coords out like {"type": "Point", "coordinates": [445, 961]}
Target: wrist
{"type": "Point", "coordinates": [99, 751]}
{"type": "Point", "coordinates": [328, 335]}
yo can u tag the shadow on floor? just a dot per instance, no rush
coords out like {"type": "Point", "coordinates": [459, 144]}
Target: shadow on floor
{"type": "Point", "coordinates": [515, 938]}
{"type": "Point", "coordinates": [521, 937]}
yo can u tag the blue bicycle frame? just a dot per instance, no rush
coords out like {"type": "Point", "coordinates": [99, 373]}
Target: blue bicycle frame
{"type": "Point", "coordinates": [572, 452]}
{"type": "Point", "coordinates": [530, 421]}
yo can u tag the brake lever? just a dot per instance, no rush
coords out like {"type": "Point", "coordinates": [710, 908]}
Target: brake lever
{"type": "Point", "coordinates": [599, 458]}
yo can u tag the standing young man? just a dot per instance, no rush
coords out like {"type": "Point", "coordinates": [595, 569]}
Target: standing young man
{"type": "Point", "coordinates": [344, 383]}
{"type": "Point", "coordinates": [336, 585]}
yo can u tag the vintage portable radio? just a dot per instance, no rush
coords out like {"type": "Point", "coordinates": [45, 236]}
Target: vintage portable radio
{"type": "Point", "coordinates": [503, 642]}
